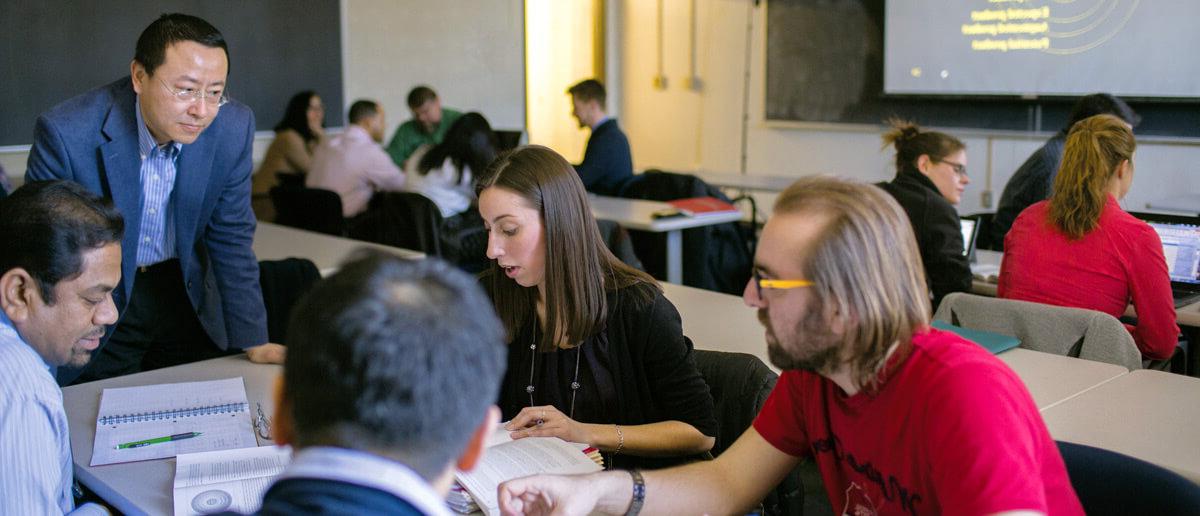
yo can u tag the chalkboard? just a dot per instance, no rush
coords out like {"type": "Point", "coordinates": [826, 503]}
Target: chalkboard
{"type": "Point", "coordinates": [825, 64]}
{"type": "Point", "coordinates": [52, 51]}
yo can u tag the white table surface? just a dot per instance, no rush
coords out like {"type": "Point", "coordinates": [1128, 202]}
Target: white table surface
{"type": "Point", "coordinates": [757, 182]}
{"type": "Point", "coordinates": [146, 487]}
{"type": "Point", "coordinates": [639, 214]}
{"type": "Point", "coordinates": [1053, 379]}
{"type": "Point", "coordinates": [1151, 415]}
{"type": "Point", "coordinates": [718, 322]}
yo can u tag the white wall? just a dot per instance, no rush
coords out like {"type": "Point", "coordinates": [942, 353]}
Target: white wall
{"type": "Point", "coordinates": [679, 129]}
{"type": "Point", "coordinates": [471, 53]}
{"type": "Point", "coordinates": [558, 50]}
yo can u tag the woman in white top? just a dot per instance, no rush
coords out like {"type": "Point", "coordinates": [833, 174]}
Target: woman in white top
{"type": "Point", "coordinates": [443, 173]}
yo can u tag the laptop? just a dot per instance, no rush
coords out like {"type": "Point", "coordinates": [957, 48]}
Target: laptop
{"type": "Point", "coordinates": [970, 230]}
{"type": "Point", "coordinates": [1181, 246]}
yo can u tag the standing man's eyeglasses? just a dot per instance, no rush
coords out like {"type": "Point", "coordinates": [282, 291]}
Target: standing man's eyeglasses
{"type": "Point", "coordinates": [191, 96]}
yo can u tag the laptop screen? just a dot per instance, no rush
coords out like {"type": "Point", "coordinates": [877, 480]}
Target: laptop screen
{"type": "Point", "coordinates": [1181, 246]}
{"type": "Point", "coordinates": [968, 233]}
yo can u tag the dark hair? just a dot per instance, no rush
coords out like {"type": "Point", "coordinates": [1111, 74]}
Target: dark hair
{"type": "Point", "coordinates": [361, 109]}
{"type": "Point", "coordinates": [911, 143]}
{"type": "Point", "coordinates": [589, 89]}
{"type": "Point", "coordinates": [1102, 104]}
{"type": "Point", "coordinates": [470, 141]}
{"type": "Point", "coordinates": [172, 28]}
{"type": "Point", "coordinates": [375, 364]}
{"type": "Point", "coordinates": [47, 226]}
{"type": "Point", "coordinates": [579, 267]}
{"type": "Point", "coordinates": [296, 115]}
{"type": "Point", "coordinates": [419, 96]}
{"type": "Point", "coordinates": [1095, 147]}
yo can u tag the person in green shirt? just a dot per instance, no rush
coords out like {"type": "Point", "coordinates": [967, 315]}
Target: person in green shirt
{"type": "Point", "coordinates": [427, 127]}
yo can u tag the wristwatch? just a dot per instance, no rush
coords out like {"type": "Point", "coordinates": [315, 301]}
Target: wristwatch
{"type": "Point", "coordinates": [639, 493]}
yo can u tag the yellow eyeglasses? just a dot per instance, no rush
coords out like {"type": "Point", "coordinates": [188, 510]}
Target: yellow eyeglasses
{"type": "Point", "coordinates": [778, 284]}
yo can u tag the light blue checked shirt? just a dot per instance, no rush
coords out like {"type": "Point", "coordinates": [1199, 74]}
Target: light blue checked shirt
{"type": "Point", "coordinates": [156, 238]}
{"type": "Point", "coordinates": [35, 445]}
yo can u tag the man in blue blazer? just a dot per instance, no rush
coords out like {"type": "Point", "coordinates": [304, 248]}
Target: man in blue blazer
{"type": "Point", "coordinates": [607, 162]}
{"type": "Point", "coordinates": [174, 154]}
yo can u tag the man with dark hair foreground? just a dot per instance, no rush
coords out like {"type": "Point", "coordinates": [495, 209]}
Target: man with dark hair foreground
{"type": "Point", "coordinates": [1032, 182]}
{"type": "Point", "coordinates": [900, 418]}
{"type": "Point", "coordinates": [174, 153]}
{"type": "Point", "coordinates": [59, 264]}
{"type": "Point", "coordinates": [607, 161]}
{"type": "Point", "coordinates": [384, 391]}
{"type": "Point", "coordinates": [352, 164]}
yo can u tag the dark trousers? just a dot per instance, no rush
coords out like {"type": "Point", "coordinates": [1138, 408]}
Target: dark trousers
{"type": "Point", "coordinates": [158, 329]}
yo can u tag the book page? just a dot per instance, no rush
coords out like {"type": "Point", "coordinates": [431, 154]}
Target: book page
{"type": "Point", "coordinates": [125, 416]}
{"type": "Point", "coordinates": [520, 458]}
{"type": "Point", "coordinates": [226, 480]}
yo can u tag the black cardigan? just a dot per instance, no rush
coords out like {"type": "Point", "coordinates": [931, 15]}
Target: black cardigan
{"type": "Point", "coordinates": [939, 234]}
{"type": "Point", "coordinates": [640, 369]}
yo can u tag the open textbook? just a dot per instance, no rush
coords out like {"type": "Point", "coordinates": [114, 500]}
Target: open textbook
{"type": "Point", "coordinates": [226, 480]}
{"type": "Point", "coordinates": [160, 421]}
{"type": "Point", "coordinates": [506, 459]}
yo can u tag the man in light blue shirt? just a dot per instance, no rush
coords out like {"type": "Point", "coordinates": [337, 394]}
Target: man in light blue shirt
{"type": "Point", "coordinates": [59, 264]}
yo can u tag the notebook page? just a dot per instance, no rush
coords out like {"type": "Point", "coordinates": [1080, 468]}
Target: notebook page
{"type": "Point", "coordinates": [124, 417]}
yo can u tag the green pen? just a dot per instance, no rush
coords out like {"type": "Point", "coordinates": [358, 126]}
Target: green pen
{"type": "Point", "coordinates": [156, 440]}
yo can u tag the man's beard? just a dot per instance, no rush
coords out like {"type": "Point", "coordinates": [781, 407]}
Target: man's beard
{"type": "Point", "coordinates": [821, 351]}
{"type": "Point", "coordinates": [79, 357]}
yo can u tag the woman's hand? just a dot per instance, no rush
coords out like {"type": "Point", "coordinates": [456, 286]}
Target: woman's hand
{"type": "Point", "coordinates": [547, 421]}
{"type": "Point", "coordinates": [269, 353]}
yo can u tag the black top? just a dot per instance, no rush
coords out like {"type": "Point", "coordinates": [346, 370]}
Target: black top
{"type": "Point", "coordinates": [607, 162]}
{"type": "Point", "coordinates": [640, 369]}
{"type": "Point", "coordinates": [1029, 184]}
{"type": "Point", "coordinates": [938, 231]}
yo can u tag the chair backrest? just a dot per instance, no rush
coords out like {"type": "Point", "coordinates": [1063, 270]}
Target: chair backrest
{"type": "Point", "coordinates": [739, 384]}
{"type": "Point", "coordinates": [402, 219]}
{"type": "Point", "coordinates": [313, 209]}
{"type": "Point", "coordinates": [1108, 482]}
{"type": "Point", "coordinates": [283, 282]}
{"type": "Point", "coordinates": [715, 257]}
{"type": "Point", "coordinates": [1073, 332]}
{"type": "Point", "coordinates": [616, 238]}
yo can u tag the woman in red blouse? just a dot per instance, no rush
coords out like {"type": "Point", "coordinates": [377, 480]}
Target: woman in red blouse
{"type": "Point", "coordinates": [1080, 249]}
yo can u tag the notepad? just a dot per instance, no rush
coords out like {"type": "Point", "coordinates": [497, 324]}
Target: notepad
{"type": "Point", "coordinates": [702, 206]}
{"type": "Point", "coordinates": [995, 342]}
{"type": "Point", "coordinates": [217, 409]}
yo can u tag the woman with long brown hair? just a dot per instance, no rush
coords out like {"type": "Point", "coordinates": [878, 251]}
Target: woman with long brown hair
{"type": "Point", "coordinates": [1080, 249]}
{"type": "Point", "coordinates": [596, 353]}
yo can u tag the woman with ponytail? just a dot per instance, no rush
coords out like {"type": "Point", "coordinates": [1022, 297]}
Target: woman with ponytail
{"type": "Point", "coordinates": [1080, 249]}
{"type": "Point", "coordinates": [931, 174]}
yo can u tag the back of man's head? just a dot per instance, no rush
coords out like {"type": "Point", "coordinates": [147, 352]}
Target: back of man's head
{"type": "Point", "coordinates": [1102, 104]}
{"type": "Point", "coordinates": [395, 357]}
{"type": "Point", "coordinates": [173, 28]}
{"type": "Point", "coordinates": [418, 96]}
{"type": "Point", "coordinates": [47, 226]}
{"type": "Point", "coordinates": [589, 90]}
{"type": "Point", "coordinates": [361, 110]}
{"type": "Point", "coordinates": [864, 265]}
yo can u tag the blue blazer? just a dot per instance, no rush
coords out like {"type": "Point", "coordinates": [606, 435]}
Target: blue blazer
{"type": "Point", "coordinates": [607, 162]}
{"type": "Point", "coordinates": [92, 139]}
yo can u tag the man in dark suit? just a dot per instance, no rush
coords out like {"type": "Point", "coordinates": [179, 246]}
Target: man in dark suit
{"type": "Point", "coordinates": [405, 392]}
{"type": "Point", "coordinates": [174, 154]}
{"type": "Point", "coordinates": [607, 162]}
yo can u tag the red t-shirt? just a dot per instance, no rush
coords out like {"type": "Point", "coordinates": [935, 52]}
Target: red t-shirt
{"type": "Point", "coordinates": [952, 431]}
{"type": "Point", "coordinates": [1119, 262]}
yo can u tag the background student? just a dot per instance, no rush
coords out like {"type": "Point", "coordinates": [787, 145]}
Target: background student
{"type": "Point", "coordinates": [931, 174]}
{"type": "Point", "coordinates": [1080, 249]}
{"type": "Point", "coordinates": [296, 137]}
{"type": "Point", "coordinates": [596, 353]}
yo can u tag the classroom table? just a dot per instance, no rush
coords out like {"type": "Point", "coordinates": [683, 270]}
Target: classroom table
{"type": "Point", "coordinates": [146, 487]}
{"type": "Point", "coordinates": [276, 242]}
{"type": "Point", "coordinates": [757, 182]}
{"type": "Point", "coordinates": [638, 214]}
{"type": "Point", "coordinates": [1150, 415]}
{"type": "Point", "coordinates": [719, 322]}
{"type": "Point", "coordinates": [1054, 379]}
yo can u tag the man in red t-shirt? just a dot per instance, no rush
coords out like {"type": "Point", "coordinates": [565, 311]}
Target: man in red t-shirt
{"type": "Point", "coordinates": [899, 417]}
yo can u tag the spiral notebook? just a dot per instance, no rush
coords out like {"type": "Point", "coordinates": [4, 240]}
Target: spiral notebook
{"type": "Point", "coordinates": [215, 411]}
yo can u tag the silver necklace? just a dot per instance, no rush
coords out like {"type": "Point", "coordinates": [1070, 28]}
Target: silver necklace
{"type": "Point", "coordinates": [574, 382]}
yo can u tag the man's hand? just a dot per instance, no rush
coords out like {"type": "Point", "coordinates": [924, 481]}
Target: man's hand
{"type": "Point", "coordinates": [269, 353]}
{"type": "Point", "coordinates": [547, 495]}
